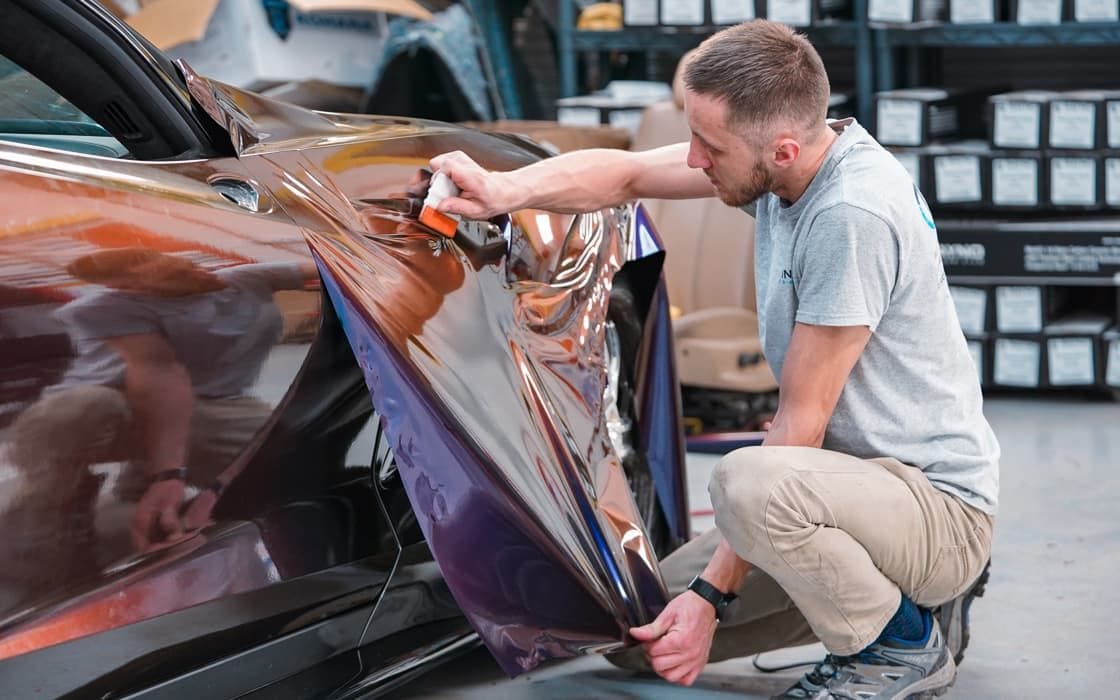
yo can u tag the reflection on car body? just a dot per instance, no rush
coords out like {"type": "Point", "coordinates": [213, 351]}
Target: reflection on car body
{"type": "Point", "coordinates": [389, 437]}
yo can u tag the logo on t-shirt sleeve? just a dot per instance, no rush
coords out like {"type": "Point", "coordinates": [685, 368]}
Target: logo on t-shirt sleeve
{"type": "Point", "coordinates": [786, 278]}
{"type": "Point", "coordinates": [923, 209]}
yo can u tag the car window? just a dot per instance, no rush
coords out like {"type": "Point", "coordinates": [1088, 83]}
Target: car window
{"type": "Point", "coordinates": [32, 113]}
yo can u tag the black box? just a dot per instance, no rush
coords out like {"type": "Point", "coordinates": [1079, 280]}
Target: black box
{"type": "Point", "coordinates": [1019, 119]}
{"type": "Point", "coordinates": [1039, 11]}
{"type": "Point", "coordinates": [1073, 357]}
{"type": "Point", "coordinates": [1110, 355]}
{"type": "Point", "coordinates": [975, 11]}
{"type": "Point", "coordinates": [980, 349]}
{"type": "Point", "coordinates": [1017, 361]}
{"type": "Point", "coordinates": [907, 11]}
{"type": "Point", "coordinates": [796, 13]}
{"type": "Point", "coordinates": [640, 13]}
{"type": "Point", "coordinates": [919, 116]}
{"type": "Point", "coordinates": [1095, 11]}
{"type": "Point", "coordinates": [1016, 180]}
{"type": "Point", "coordinates": [914, 160]}
{"type": "Point", "coordinates": [1020, 308]}
{"type": "Point", "coordinates": [973, 310]}
{"type": "Point", "coordinates": [956, 173]}
{"type": "Point", "coordinates": [1075, 120]}
{"type": "Point", "coordinates": [1074, 179]}
{"type": "Point", "coordinates": [1112, 119]}
{"type": "Point", "coordinates": [728, 12]}
{"type": "Point", "coordinates": [1111, 165]}
{"type": "Point", "coordinates": [683, 13]}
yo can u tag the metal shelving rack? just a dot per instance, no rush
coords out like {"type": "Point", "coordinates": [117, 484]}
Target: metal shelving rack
{"type": "Point", "coordinates": [677, 40]}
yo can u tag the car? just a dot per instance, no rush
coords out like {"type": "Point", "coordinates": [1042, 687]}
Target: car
{"type": "Point", "coordinates": [265, 434]}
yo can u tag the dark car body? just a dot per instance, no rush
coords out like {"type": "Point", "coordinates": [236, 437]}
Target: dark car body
{"type": "Point", "coordinates": [418, 442]}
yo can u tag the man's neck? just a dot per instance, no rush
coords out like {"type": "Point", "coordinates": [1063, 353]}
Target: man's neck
{"type": "Point", "coordinates": [801, 175]}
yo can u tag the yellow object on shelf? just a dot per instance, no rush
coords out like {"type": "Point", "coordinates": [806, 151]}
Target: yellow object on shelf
{"type": "Point", "coordinates": [602, 16]}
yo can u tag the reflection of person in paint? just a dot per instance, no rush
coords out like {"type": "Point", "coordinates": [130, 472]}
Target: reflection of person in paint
{"type": "Point", "coordinates": [165, 355]}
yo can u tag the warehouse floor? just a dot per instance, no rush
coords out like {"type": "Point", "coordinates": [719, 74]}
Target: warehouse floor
{"type": "Point", "coordinates": [1046, 628]}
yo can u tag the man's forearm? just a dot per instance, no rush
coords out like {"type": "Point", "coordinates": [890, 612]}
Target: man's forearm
{"type": "Point", "coordinates": [726, 570]}
{"type": "Point", "coordinates": [575, 182]}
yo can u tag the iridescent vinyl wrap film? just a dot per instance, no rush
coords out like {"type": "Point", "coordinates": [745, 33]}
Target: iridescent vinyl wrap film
{"type": "Point", "coordinates": [484, 355]}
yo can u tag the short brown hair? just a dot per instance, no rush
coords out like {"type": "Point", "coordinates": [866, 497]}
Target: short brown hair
{"type": "Point", "coordinates": [766, 74]}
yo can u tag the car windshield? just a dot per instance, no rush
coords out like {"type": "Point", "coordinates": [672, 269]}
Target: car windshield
{"type": "Point", "coordinates": [33, 113]}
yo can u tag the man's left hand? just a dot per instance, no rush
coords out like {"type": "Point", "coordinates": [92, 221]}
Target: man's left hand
{"type": "Point", "coordinates": [678, 642]}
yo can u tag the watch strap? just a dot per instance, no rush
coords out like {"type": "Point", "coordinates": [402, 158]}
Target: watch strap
{"type": "Point", "coordinates": [179, 474]}
{"type": "Point", "coordinates": [713, 595]}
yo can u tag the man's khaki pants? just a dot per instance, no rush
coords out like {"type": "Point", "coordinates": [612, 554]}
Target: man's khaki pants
{"type": "Point", "coordinates": [833, 540]}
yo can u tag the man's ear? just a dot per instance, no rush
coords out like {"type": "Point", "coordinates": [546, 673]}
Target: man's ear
{"type": "Point", "coordinates": [785, 152]}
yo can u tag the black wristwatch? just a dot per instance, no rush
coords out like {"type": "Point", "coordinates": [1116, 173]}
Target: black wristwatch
{"type": "Point", "coordinates": [713, 595]}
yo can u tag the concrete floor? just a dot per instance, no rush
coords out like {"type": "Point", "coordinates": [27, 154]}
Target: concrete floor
{"type": "Point", "coordinates": [1046, 628]}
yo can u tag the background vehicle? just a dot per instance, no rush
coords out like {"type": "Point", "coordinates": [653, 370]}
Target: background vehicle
{"type": "Point", "coordinates": [349, 392]}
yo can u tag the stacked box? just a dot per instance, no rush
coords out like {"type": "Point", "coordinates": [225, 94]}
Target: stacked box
{"type": "Point", "coordinates": [1096, 11]}
{"type": "Point", "coordinates": [1016, 362]}
{"type": "Point", "coordinates": [1111, 166]}
{"type": "Point", "coordinates": [1076, 120]}
{"type": "Point", "coordinates": [920, 116]}
{"type": "Point", "coordinates": [907, 11]}
{"type": "Point", "coordinates": [1020, 308]}
{"type": "Point", "coordinates": [1073, 351]}
{"type": "Point", "coordinates": [957, 175]}
{"type": "Point", "coordinates": [1110, 353]}
{"type": "Point", "coordinates": [727, 12]}
{"type": "Point", "coordinates": [682, 12]}
{"type": "Point", "coordinates": [1019, 119]}
{"type": "Point", "coordinates": [974, 11]}
{"type": "Point", "coordinates": [1016, 180]}
{"type": "Point", "coordinates": [1075, 180]}
{"type": "Point", "coordinates": [640, 13]}
{"type": "Point", "coordinates": [973, 310]}
{"type": "Point", "coordinates": [1039, 11]}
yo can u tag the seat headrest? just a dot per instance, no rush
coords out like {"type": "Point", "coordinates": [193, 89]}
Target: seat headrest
{"type": "Point", "coordinates": [678, 79]}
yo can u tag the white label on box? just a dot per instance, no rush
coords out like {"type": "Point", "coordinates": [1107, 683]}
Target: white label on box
{"type": "Point", "coordinates": [1019, 309]}
{"type": "Point", "coordinates": [1016, 362]}
{"type": "Point", "coordinates": [972, 307]}
{"type": "Point", "coordinates": [976, 349]}
{"type": "Point", "coordinates": [1112, 371]}
{"type": "Point", "coordinates": [972, 11]}
{"type": "Point", "coordinates": [1073, 124]}
{"type": "Point", "coordinates": [899, 122]}
{"type": "Point", "coordinates": [956, 178]}
{"type": "Point", "coordinates": [1017, 124]}
{"type": "Point", "coordinates": [682, 11]}
{"type": "Point", "coordinates": [732, 11]}
{"type": "Point", "coordinates": [1073, 181]}
{"type": "Point", "coordinates": [578, 116]}
{"type": "Point", "coordinates": [1096, 10]}
{"type": "Point", "coordinates": [639, 13]}
{"type": "Point", "coordinates": [798, 13]}
{"type": "Point", "coordinates": [1113, 121]}
{"type": "Point", "coordinates": [628, 119]}
{"type": "Point", "coordinates": [1070, 361]}
{"type": "Point", "coordinates": [1039, 12]}
{"type": "Point", "coordinates": [1112, 182]}
{"type": "Point", "coordinates": [1015, 182]}
{"type": "Point", "coordinates": [890, 11]}
{"type": "Point", "coordinates": [912, 163]}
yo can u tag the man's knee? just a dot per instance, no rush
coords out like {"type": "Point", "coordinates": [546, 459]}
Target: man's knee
{"type": "Point", "coordinates": [742, 486]}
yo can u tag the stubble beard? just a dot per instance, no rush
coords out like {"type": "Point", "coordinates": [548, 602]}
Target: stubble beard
{"type": "Point", "coordinates": [757, 185]}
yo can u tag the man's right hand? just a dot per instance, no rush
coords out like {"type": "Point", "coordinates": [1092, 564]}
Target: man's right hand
{"type": "Point", "coordinates": [679, 641]}
{"type": "Point", "coordinates": [482, 194]}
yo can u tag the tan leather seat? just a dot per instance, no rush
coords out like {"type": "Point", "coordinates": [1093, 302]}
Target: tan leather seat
{"type": "Point", "coordinates": [709, 268]}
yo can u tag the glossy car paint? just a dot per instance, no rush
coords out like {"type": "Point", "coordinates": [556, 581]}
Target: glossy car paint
{"type": "Point", "coordinates": [482, 354]}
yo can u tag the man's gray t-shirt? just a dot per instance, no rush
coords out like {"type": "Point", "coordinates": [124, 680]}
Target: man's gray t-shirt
{"type": "Point", "coordinates": [859, 248]}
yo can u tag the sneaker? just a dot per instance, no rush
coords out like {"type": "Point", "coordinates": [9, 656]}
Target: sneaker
{"type": "Point", "coordinates": [953, 616]}
{"type": "Point", "coordinates": [880, 672]}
